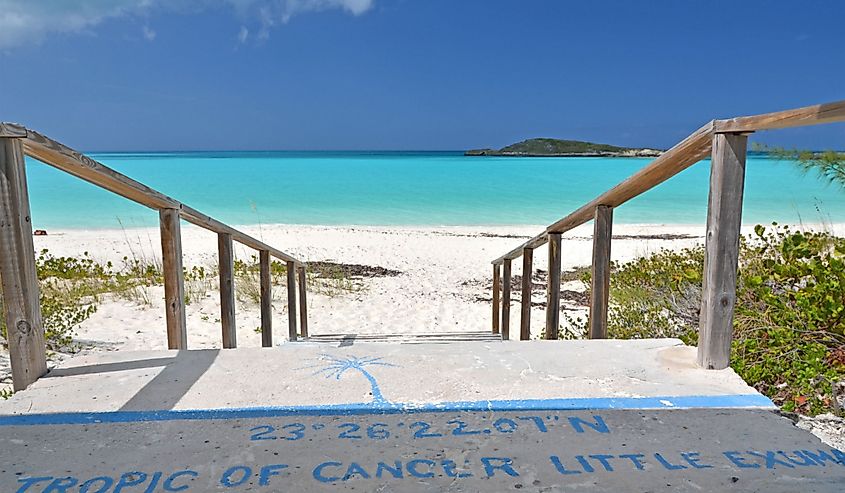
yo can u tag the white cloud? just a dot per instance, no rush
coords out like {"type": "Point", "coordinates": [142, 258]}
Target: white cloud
{"type": "Point", "coordinates": [149, 34]}
{"type": "Point", "coordinates": [31, 21]}
{"type": "Point", "coordinates": [26, 21]}
{"type": "Point", "coordinates": [270, 13]}
{"type": "Point", "coordinates": [243, 35]}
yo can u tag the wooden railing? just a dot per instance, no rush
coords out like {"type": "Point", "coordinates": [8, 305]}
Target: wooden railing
{"type": "Point", "coordinates": [726, 142]}
{"type": "Point", "coordinates": [25, 333]}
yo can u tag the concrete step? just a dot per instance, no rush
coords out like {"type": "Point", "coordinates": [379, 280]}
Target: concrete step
{"type": "Point", "coordinates": [464, 416]}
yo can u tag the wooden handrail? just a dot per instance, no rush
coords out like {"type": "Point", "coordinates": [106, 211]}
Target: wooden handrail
{"type": "Point", "coordinates": [27, 353]}
{"type": "Point", "coordinates": [799, 117]}
{"type": "Point", "coordinates": [725, 140]}
{"type": "Point", "coordinates": [77, 164]}
{"type": "Point", "coordinates": [199, 219]}
{"type": "Point", "coordinates": [688, 152]}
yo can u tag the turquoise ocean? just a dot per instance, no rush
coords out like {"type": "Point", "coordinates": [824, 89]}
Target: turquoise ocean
{"type": "Point", "coordinates": [411, 188]}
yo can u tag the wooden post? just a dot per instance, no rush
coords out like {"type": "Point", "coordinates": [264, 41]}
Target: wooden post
{"type": "Point", "coordinates": [724, 217]}
{"type": "Point", "coordinates": [291, 300]}
{"type": "Point", "coordinates": [497, 288]}
{"type": "Point", "coordinates": [266, 299]}
{"type": "Point", "coordinates": [303, 305]}
{"type": "Point", "coordinates": [227, 289]}
{"type": "Point", "coordinates": [506, 300]}
{"type": "Point", "coordinates": [21, 296]}
{"type": "Point", "coordinates": [525, 315]}
{"type": "Point", "coordinates": [174, 278]}
{"type": "Point", "coordinates": [600, 291]}
{"type": "Point", "coordinates": [553, 288]}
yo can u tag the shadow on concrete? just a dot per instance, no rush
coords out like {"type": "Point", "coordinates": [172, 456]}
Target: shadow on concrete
{"type": "Point", "coordinates": [168, 387]}
{"type": "Point", "coordinates": [109, 367]}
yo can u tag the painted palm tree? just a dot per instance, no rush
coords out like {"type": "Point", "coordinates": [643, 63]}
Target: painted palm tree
{"type": "Point", "coordinates": [335, 367]}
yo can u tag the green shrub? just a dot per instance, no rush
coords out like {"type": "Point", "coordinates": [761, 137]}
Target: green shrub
{"type": "Point", "coordinates": [789, 324]}
{"type": "Point", "coordinates": [71, 288]}
{"type": "Point", "coordinates": [323, 278]}
{"type": "Point", "coordinates": [789, 328]}
{"type": "Point", "coordinates": [62, 311]}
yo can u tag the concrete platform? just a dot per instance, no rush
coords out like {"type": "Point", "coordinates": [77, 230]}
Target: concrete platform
{"type": "Point", "coordinates": [581, 374]}
{"type": "Point", "coordinates": [364, 416]}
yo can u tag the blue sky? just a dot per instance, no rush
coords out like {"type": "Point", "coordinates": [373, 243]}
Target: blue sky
{"type": "Point", "coordinates": [411, 74]}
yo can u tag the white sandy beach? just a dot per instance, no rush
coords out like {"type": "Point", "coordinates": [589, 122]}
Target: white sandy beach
{"type": "Point", "coordinates": [444, 284]}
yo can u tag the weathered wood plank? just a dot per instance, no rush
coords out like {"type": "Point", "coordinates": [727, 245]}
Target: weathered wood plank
{"type": "Point", "coordinates": [226, 257]}
{"type": "Point", "coordinates": [497, 289]}
{"type": "Point", "coordinates": [534, 243]}
{"type": "Point", "coordinates": [686, 153]}
{"type": "Point", "coordinates": [689, 151]}
{"type": "Point", "coordinates": [553, 287]}
{"type": "Point", "coordinates": [600, 291]}
{"type": "Point", "coordinates": [8, 129]}
{"type": "Point", "coordinates": [724, 218]}
{"type": "Point", "coordinates": [77, 164]}
{"type": "Point", "coordinates": [303, 302]}
{"type": "Point", "coordinates": [799, 117]}
{"type": "Point", "coordinates": [506, 301]}
{"type": "Point", "coordinates": [21, 295]}
{"type": "Point", "coordinates": [266, 290]}
{"type": "Point", "coordinates": [291, 273]}
{"type": "Point", "coordinates": [525, 314]}
{"type": "Point", "coordinates": [174, 279]}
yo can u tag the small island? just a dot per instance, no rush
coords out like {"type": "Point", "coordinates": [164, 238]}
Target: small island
{"type": "Point", "coordinates": [564, 148]}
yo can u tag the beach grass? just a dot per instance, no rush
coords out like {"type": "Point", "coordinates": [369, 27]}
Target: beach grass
{"type": "Point", "coordinates": [72, 288]}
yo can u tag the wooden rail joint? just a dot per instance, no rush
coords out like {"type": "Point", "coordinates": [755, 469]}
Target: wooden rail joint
{"type": "Point", "coordinates": [12, 130]}
{"type": "Point", "coordinates": [731, 132]}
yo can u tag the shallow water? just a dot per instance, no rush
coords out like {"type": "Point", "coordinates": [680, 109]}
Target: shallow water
{"type": "Point", "coordinates": [411, 188]}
